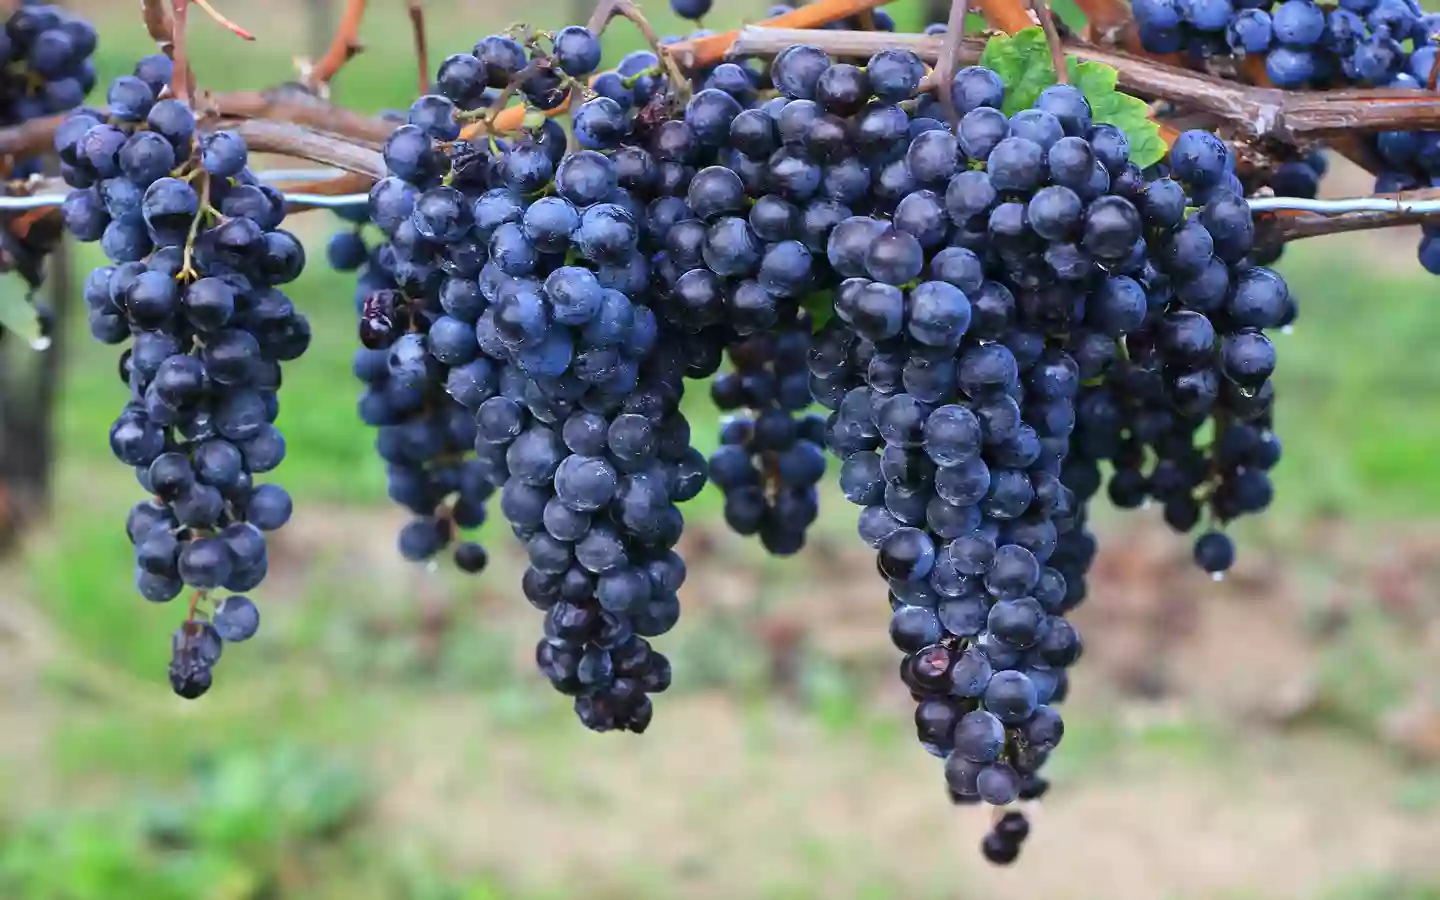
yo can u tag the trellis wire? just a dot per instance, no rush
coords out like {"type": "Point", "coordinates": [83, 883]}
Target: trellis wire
{"type": "Point", "coordinates": [347, 201]}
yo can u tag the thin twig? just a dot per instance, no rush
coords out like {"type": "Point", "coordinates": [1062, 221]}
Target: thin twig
{"type": "Point", "coordinates": [1041, 9]}
{"type": "Point", "coordinates": [343, 46]}
{"type": "Point", "coordinates": [516, 82]}
{"type": "Point", "coordinates": [944, 72]}
{"type": "Point", "coordinates": [227, 24]}
{"type": "Point", "coordinates": [1434, 68]}
{"type": "Point", "coordinates": [416, 10]}
{"type": "Point", "coordinates": [181, 79]}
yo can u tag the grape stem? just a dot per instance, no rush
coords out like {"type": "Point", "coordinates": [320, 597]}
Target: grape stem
{"type": "Point", "coordinates": [187, 271]}
{"type": "Point", "coordinates": [195, 600]}
{"type": "Point", "coordinates": [343, 47]}
{"type": "Point", "coordinates": [517, 81]}
{"type": "Point", "coordinates": [609, 9]}
{"type": "Point", "coordinates": [416, 10]}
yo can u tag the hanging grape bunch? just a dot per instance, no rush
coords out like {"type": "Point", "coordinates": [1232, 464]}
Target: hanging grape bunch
{"type": "Point", "coordinates": [196, 258]}
{"type": "Point", "coordinates": [47, 70]}
{"type": "Point", "coordinates": [972, 278]}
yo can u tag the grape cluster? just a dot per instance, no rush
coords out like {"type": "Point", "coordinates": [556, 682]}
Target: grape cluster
{"type": "Point", "coordinates": [1371, 43]}
{"type": "Point", "coordinates": [47, 70]}
{"type": "Point", "coordinates": [970, 264]}
{"type": "Point", "coordinates": [425, 435]}
{"type": "Point", "coordinates": [1304, 44]}
{"type": "Point", "coordinates": [1002, 305]}
{"type": "Point", "coordinates": [513, 344]}
{"type": "Point", "coordinates": [197, 259]}
{"type": "Point", "coordinates": [1200, 364]}
{"type": "Point", "coordinates": [988, 281]}
{"type": "Point", "coordinates": [771, 456]}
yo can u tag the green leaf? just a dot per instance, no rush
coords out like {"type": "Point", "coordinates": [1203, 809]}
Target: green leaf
{"type": "Point", "coordinates": [17, 313]}
{"type": "Point", "coordinates": [1023, 62]}
{"type": "Point", "coordinates": [1130, 114]}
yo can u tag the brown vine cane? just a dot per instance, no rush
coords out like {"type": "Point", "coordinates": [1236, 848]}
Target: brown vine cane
{"type": "Point", "coordinates": [333, 135]}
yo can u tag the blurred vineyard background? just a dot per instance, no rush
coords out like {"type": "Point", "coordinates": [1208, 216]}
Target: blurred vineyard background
{"type": "Point", "coordinates": [1273, 736]}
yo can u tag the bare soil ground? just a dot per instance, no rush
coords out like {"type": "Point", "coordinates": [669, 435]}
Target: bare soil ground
{"type": "Point", "coordinates": [1193, 769]}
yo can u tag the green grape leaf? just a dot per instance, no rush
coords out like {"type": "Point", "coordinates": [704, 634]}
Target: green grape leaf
{"type": "Point", "coordinates": [1130, 114]}
{"type": "Point", "coordinates": [17, 313]}
{"type": "Point", "coordinates": [821, 306]}
{"type": "Point", "coordinates": [1023, 62]}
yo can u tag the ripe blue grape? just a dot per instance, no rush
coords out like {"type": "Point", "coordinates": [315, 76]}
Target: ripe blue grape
{"type": "Point", "coordinates": [202, 379]}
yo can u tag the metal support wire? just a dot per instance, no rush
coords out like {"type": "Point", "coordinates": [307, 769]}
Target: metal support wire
{"type": "Point", "coordinates": [1257, 204]}
{"type": "Point", "coordinates": [276, 176]}
{"type": "Point", "coordinates": [1351, 205]}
